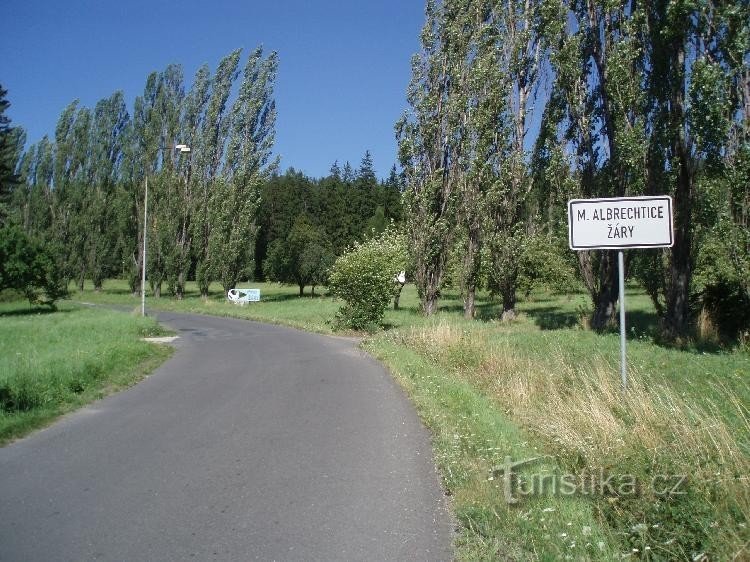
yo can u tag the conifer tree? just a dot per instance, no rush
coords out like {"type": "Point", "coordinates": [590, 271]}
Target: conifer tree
{"type": "Point", "coordinates": [335, 172]}
{"type": "Point", "coordinates": [366, 184]}
{"type": "Point", "coordinates": [347, 175]}
{"type": "Point", "coordinates": [12, 140]}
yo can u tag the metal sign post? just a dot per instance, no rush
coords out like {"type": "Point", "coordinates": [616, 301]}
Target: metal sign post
{"type": "Point", "coordinates": [623, 364]}
{"type": "Point", "coordinates": [143, 268]}
{"type": "Point", "coordinates": [616, 224]}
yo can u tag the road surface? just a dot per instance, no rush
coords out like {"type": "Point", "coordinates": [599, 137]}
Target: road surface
{"type": "Point", "coordinates": [251, 442]}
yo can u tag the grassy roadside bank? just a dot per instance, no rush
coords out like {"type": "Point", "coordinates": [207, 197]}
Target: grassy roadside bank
{"type": "Point", "coordinates": [490, 391]}
{"type": "Point", "coordinates": [543, 387]}
{"type": "Point", "coordinates": [471, 438]}
{"type": "Point", "coordinates": [54, 362]}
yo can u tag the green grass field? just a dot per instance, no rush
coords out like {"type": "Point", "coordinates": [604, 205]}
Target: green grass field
{"type": "Point", "coordinates": [54, 362]}
{"type": "Point", "coordinates": [544, 385]}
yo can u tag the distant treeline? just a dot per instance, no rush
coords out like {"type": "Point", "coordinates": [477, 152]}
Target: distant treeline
{"type": "Point", "coordinates": [323, 217]}
{"type": "Point", "coordinates": [82, 193]}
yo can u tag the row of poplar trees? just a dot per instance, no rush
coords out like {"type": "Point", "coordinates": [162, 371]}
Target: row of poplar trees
{"type": "Point", "coordinates": [84, 190]}
{"type": "Point", "coordinates": [517, 106]}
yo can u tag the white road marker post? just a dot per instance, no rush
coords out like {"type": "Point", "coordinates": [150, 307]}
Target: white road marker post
{"type": "Point", "coordinates": [615, 224]}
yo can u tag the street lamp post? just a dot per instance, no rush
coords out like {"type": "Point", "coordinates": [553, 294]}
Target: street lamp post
{"type": "Point", "coordinates": [182, 148]}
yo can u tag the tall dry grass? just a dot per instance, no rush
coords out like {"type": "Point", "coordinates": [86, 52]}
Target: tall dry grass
{"type": "Point", "coordinates": [581, 412]}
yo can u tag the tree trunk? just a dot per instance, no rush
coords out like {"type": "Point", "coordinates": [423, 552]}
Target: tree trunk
{"type": "Point", "coordinates": [605, 300]}
{"type": "Point", "coordinates": [508, 290]}
{"type": "Point", "coordinates": [586, 269]}
{"type": "Point", "coordinates": [301, 290]}
{"type": "Point", "coordinates": [134, 275]}
{"type": "Point", "coordinates": [469, 303]}
{"type": "Point", "coordinates": [180, 288]}
{"type": "Point", "coordinates": [157, 290]}
{"type": "Point", "coordinates": [397, 296]}
{"type": "Point", "coordinates": [677, 320]}
{"type": "Point", "coordinates": [430, 289]}
{"type": "Point", "coordinates": [430, 303]}
{"type": "Point", "coordinates": [471, 271]}
{"type": "Point", "coordinates": [203, 280]}
{"type": "Point", "coordinates": [98, 280]}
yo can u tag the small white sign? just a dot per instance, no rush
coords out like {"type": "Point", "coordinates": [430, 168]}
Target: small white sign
{"type": "Point", "coordinates": [242, 296]}
{"type": "Point", "coordinates": [623, 222]}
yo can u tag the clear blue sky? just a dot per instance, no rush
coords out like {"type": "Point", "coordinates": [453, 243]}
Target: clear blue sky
{"type": "Point", "coordinates": [343, 72]}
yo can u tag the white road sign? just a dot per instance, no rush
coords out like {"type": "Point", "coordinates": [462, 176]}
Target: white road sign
{"type": "Point", "coordinates": [623, 222]}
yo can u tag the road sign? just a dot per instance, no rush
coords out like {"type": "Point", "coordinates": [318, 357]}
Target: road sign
{"type": "Point", "coordinates": [620, 223]}
{"type": "Point", "coordinates": [617, 224]}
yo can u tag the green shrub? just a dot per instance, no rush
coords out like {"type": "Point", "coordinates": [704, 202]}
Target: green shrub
{"type": "Point", "coordinates": [364, 278]}
{"type": "Point", "coordinates": [28, 266]}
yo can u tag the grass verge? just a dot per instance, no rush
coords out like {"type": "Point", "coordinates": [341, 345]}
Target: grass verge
{"type": "Point", "coordinates": [658, 473]}
{"type": "Point", "coordinates": [54, 362]}
{"type": "Point", "coordinates": [471, 438]}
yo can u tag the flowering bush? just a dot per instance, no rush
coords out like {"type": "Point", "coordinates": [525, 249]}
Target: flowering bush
{"type": "Point", "coordinates": [364, 278]}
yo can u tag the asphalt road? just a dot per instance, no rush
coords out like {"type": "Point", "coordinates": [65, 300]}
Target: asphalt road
{"type": "Point", "coordinates": [251, 442]}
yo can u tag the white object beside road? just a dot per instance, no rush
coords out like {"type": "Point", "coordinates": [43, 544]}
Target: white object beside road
{"type": "Point", "coordinates": [243, 296]}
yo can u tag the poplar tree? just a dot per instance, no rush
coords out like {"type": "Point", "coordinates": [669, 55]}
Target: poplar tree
{"type": "Point", "coordinates": [165, 193]}
{"type": "Point", "coordinates": [141, 161]}
{"type": "Point", "coordinates": [698, 93]}
{"type": "Point", "coordinates": [520, 27]}
{"type": "Point", "coordinates": [599, 62]}
{"type": "Point", "coordinates": [70, 175]}
{"type": "Point", "coordinates": [208, 158]}
{"type": "Point", "coordinates": [482, 108]}
{"type": "Point", "coordinates": [106, 141]}
{"type": "Point", "coordinates": [235, 199]}
{"type": "Point", "coordinates": [128, 202]}
{"type": "Point", "coordinates": [193, 114]}
{"type": "Point", "coordinates": [31, 204]}
{"type": "Point", "coordinates": [428, 152]}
